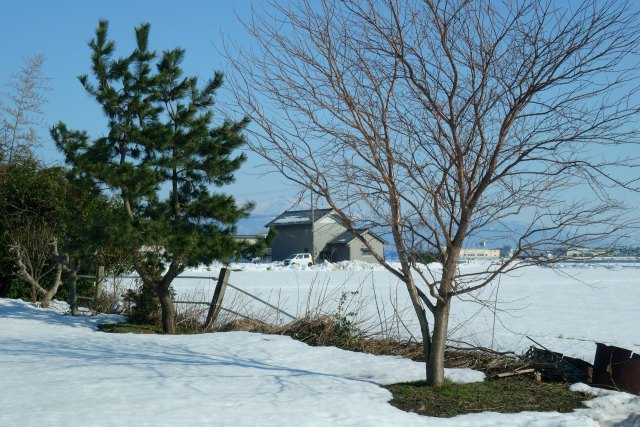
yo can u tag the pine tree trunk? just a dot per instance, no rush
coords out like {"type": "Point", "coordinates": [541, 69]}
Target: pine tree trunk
{"type": "Point", "coordinates": [435, 367]}
{"type": "Point", "coordinates": [5, 287]}
{"type": "Point", "coordinates": [168, 310]}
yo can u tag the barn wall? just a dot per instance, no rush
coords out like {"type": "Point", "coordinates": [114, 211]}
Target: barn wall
{"type": "Point", "coordinates": [290, 240]}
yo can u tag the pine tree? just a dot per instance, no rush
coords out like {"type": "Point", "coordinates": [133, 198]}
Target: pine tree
{"type": "Point", "coordinates": [161, 155]}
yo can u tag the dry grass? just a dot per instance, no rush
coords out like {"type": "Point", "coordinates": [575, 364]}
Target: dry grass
{"type": "Point", "coordinates": [249, 325]}
{"type": "Point", "coordinates": [326, 331]}
{"type": "Point", "coordinates": [331, 317]}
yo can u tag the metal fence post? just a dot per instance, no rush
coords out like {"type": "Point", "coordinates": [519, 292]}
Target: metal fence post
{"type": "Point", "coordinates": [218, 295]}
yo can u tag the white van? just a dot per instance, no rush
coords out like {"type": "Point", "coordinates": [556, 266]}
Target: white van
{"type": "Point", "coordinates": [299, 259]}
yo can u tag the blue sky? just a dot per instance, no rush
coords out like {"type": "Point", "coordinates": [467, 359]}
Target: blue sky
{"type": "Point", "coordinates": [61, 29]}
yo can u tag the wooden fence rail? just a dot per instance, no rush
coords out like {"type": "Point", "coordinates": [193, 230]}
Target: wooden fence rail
{"type": "Point", "coordinates": [215, 306]}
{"type": "Point", "coordinates": [279, 310]}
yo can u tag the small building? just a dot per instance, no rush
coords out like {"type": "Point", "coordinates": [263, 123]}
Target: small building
{"type": "Point", "coordinates": [507, 252]}
{"type": "Point", "coordinates": [321, 233]}
{"type": "Point", "coordinates": [347, 246]}
{"type": "Point", "coordinates": [582, 252]}
{"type": "Point", "coordinates": [479, 253]}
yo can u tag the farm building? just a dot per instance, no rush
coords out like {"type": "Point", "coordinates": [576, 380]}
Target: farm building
{"type": "Point", "coordinates": [479, 253]}
{"type": "Point", "coordinates": [580, 252]}
{"type": "Point", "coordinates": [322, 234]}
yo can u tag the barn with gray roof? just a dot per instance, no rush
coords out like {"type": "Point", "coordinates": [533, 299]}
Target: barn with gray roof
{"type": "Point", "coordinates": [321, 233]}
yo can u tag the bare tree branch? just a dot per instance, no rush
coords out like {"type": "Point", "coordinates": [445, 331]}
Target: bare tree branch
{"type": "Point", "coordinates": [435, 121]}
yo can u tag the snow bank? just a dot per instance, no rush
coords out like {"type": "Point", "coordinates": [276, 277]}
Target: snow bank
{"type": "Point", "coordinates": [56, 370]}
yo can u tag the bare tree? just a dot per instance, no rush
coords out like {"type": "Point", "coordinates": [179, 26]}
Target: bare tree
{"type": "Point", "coordinates": [439, 120]}
{"type": "Point", "coordinates": [21, 110]}
{"type": "Point", "coordinates": [35, 250]}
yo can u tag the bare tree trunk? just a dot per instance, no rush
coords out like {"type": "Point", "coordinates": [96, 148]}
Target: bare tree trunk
{"type": "Point", "coordinates": [424, 324]}
{"type": "Point", "coordinates": [49, 294]}
{"type": "Point", "coordinates": [435, 365]}
{"type": "Point", "coordinates": [34, 293]}
{"type": "Point", "coordinates": [33, 277]}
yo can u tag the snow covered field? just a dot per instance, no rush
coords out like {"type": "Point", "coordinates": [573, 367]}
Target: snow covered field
{"type": "Point", "coordinates": [57, 370]}
{"type": "Point", "coordinates": [566, 310]}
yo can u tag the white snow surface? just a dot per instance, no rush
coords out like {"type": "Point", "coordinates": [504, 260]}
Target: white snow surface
{"type": "Point", "coordinates": [292, 220]}
{"type": "Point", "coordinates": [57, 370]}
{"type": "Point", "coordinates": [567, 310]}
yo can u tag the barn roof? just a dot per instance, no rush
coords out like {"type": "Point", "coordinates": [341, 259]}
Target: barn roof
{"type": "Point", "coordinates": [348, 236]}
{"type": "Point", "coordinates": [299, 217]}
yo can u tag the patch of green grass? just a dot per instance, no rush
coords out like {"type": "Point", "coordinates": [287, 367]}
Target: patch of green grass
{"type": "Point", "coordinates": [133, 328]}
{"type": "Point", "coordinates": [130, 328]}
{"type": "Point", "coordinates": [507, 396]}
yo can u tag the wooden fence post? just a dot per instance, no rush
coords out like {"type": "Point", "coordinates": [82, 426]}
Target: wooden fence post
{"type": "Point", "coordinates": [218, 295]}
{"type": "Point", "coordinates": [99, 280]}
{"type": "Point", "coordinates": [73, 296]}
